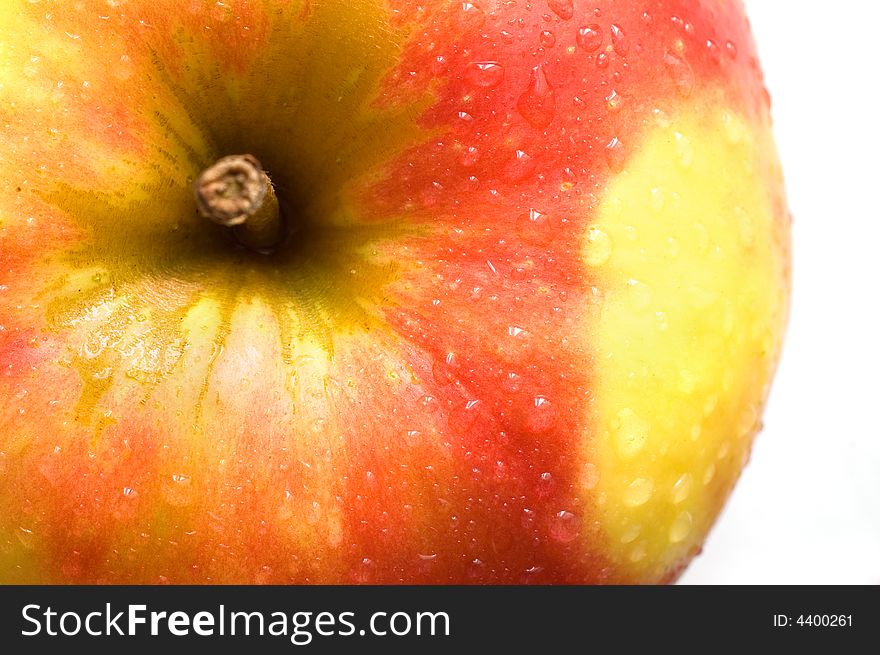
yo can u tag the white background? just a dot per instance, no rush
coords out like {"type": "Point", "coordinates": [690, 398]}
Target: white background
{"type": "Point", "coordinates": [807, 508]}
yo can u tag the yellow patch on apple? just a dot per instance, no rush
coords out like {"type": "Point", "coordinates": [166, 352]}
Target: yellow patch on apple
{"type": "Point", "coordinates": [688, 331]}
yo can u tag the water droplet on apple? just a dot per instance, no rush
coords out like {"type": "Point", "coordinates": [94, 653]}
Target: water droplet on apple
{"type": "Point", "coordinates": [615, 155]}
{"type": "Point", "coordinates": [640, 294]}
{"type": "Point", "coordinates": [746, 426]}
{"type": "Point", "coordinates": [589, 37]}
{"type": "Point", "coordinates": [548, 39]}
{"type": "Point", "coordinates": [288, 510]}
{"type": "Point", "coordinates": [613, 101]}
{"type": "Point", "coordinates": [602, 60]}
{"type": "Point", "coordinates": [527, 520]}
{"type": "Point", "coordinates": [446, 369]}
{"type": "Point", "coordinates": [318, 426]}
{"type": "Point", "coordinates": [50, 466]}
{"type": "Point", "coordinates": [714, 51]}
{"type": "Point", "coordinates": [734, 130]}
{"type": "Point", "coordinates": [709, 474]}
{"type": "Point", "coordinates": [220, 11]}
{"type": "Point", "coordinates": [177, 490]}
{"type": "Point", "coordinates": [521, 166]}
{"type": "Point", "coordinates": [638, 553]}
{"type": "Point", "coordinates": [124, 69]}
{"type": "Point", "coordinates": [662, 321]}
{"type": "Point", "coordinates": [541, 416]}
{"type": "Point", "coordinates": [429, 404]}
{"type": "Point", "coordinates": [684, 150]}
{"type": "Point", "coordinates": [564, 527]}
{"type": "Point", "coordinates": [25, 536]}
{"type": "Point", "coordinates": [430, 196]}
{"type": "Point", "coordinates": [413, 437]}
{"type": "Point", "coordinates": [630, 434]}
{"type": "Point", "coordinates": [439, 66]}
{"type": "Point", "coordinates": [681, 74]}
{"type": "Point", "coordinates": [537, 104]}
{"type": "Point", "coordinates": [465, 415]}
{"type": "Point", "coordinates": [523, 269]}
{"type": "Point", "coordinates": [313, 513]}
{"type": "Point", "coordinates": [599, 247]}
{"type": "Point", "coordinates": [512, 350]}
{"type": "Point", "coordinates": [546, 484]}
{"type": "Point", "coordinates": [562, 8]}
{"type": "Point", "coordinates": [486, 74]}
{"type": "Point", "coordinates": [535, 228]}
{"type": "Point", "coordinates": [658, 199]}
{"type": "Point", "coordinates": [638, 492]}
{"type": "Point", "coordinates": [511, 382]}
{"type": "Point", "coordinates": [371, 480]}
{"type": "Point", "coordinates": [710, 404]}
{"type": "Point", "coordinates": [682, 488]}
{"type": "Point", "coordinates": [630, 533]}
{"type": "Point", "coordinates": [730, 49]}
{"type": "Point", "coordinates": [619, 41]}
{"type": "Point", "coordinates": [476, 569]}
{"type": "Point", "coordinates": [127, 505]}
{"type": "Point", "coordinates": [469, 156]}
{"type": "Point", "coordinates": [681, 527]}
{"type": "Point", "coordinates": [471, 16]}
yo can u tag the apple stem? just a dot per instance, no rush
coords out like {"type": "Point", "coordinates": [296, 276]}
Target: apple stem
{"type": "Point", "coordinates": [236, 192]}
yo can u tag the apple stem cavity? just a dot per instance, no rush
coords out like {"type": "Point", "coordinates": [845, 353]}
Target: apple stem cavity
{"type": "Point", "coordinates": [236, 192]}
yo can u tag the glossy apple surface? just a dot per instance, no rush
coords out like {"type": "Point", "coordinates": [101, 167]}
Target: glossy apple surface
{"type": "Point", "coordinates": [522, 328]}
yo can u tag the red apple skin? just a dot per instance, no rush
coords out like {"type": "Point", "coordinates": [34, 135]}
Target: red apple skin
{"type": "Point", "coordinates": [440, 377]}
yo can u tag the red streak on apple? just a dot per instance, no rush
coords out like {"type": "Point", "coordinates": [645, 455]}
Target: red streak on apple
{"type": "Point", "coordinates": [475, 185]}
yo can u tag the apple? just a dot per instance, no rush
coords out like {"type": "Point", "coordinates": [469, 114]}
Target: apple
{"type": "Point", "coordinates": [488, 292]}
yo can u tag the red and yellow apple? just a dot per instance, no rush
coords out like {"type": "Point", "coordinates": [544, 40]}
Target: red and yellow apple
{"type": "Point", "coordinates": [521, 325]}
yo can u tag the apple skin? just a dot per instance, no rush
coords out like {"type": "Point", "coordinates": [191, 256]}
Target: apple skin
{"type": "Point", "coordinates": [523, 329]}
